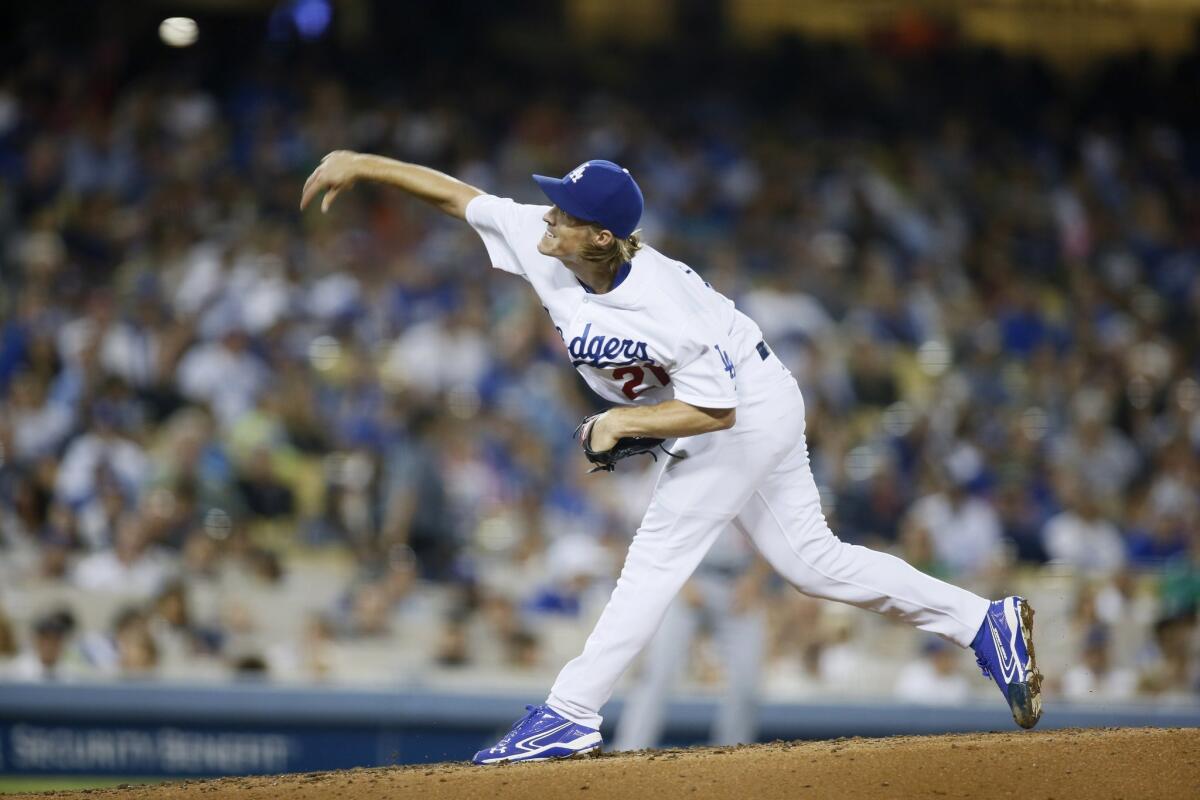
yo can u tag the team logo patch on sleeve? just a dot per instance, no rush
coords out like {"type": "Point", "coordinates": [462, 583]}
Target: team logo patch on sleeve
{"type": "Point", "coordinates": [727, 361]}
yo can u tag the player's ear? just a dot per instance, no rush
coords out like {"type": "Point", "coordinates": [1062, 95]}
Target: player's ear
{"type": "Point", "coordinates": [603, 238]}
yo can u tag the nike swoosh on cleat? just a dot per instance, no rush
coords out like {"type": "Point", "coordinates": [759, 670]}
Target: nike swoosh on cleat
{"type": "Point", "coordinates": [535, 741]}
{"type": "Point", "coordinates": [1008, 666]}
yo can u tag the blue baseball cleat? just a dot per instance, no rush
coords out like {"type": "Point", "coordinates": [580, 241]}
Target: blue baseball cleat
{"type": "Point", "coordinates": [1004, 649]}
{"type": "Point", "coordinates": [540, 735]}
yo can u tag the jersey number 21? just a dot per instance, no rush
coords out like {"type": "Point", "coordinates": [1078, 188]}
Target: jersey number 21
{"type": "Point", "coordinates": [637, 375]}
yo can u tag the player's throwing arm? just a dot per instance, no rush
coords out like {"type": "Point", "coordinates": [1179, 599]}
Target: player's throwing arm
{"type": "Point", "coordinates": [341, 169]}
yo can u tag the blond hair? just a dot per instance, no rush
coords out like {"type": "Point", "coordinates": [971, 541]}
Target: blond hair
{"type": "Point", "coordinates": [615, 253]}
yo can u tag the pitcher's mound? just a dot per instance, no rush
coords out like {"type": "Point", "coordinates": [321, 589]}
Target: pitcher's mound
{"type": "Point", "coordinates": [1063, 765]}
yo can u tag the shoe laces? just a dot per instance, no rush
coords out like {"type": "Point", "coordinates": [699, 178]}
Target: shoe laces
{"type": "Point", "coordinates": [983, 667]}
{"type": "Point", "coordinates": [531, 711]}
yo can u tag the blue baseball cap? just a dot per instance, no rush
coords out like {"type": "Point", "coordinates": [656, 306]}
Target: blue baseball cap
{"type": "Point", "coordinates": [597, 191]}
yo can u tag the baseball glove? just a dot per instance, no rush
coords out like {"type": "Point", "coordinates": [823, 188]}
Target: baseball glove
{"type": "Point", "coordinates": [626, 446]}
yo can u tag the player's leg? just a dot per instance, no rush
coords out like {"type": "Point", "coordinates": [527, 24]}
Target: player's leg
{"type": "Point", "coordinates": [641, 722]}
{"type": "Point", "coordinates": [696, 497]}
{"type": "Point", "coordinates": [662, 556]}
{"type": "Point", "coordinates": [783, 518]}
{"type": "Point", "coordinates": [742, 638]}
{"type": "Point", "coordinates": [784, 521]}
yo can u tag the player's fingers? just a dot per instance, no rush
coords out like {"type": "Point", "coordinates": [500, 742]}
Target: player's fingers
{"type": "Point", "coordinates": [327, 201]}
{"type": "Point", "coordinates": [311, 187]}
{"type": "Point", "coordinates": [309, 193]}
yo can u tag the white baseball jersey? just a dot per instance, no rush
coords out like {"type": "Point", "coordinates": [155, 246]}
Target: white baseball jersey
{"type": "Point", "coordinates": [661, 333]}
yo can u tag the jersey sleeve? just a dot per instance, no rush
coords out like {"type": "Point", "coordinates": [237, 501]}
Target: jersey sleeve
{"type": "Point", "coordinates": [506, 228]}
{"type": "Point", "coordinates": [707, 377]}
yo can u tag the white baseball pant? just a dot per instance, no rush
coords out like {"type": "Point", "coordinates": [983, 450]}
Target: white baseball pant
{"type": "Point", "coordinates": [756, 476]}
{"type": "Point", "coordinates": [740, 637]}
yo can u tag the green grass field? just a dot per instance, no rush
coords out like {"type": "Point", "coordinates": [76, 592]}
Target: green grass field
{"type": "Point", "coordinates": [50, 783]}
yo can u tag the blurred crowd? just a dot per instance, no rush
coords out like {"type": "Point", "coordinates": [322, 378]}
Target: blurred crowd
{"type": "Point", "coordinates": [238, 440]}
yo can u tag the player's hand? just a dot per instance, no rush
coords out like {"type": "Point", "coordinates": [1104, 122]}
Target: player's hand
{"type": "Point", "coordinates": [602, 429]}
{"type": "Point", "coordinates": [337, 171]}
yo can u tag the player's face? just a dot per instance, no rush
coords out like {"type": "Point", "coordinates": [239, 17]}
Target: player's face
{"type": "Point", "coordinates": [565, 236]}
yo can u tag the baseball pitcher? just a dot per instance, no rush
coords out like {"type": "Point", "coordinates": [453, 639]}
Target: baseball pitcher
{"type": "Point", "coordinates": [679, 361]}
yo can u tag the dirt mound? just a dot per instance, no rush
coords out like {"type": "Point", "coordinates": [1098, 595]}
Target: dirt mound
{"type": "Point", "coordinates": [1093, 764]}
